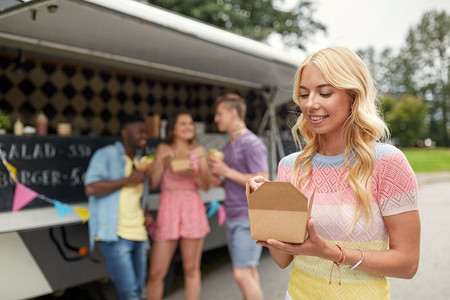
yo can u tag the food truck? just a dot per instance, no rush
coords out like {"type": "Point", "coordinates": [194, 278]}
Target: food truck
{"type": "Point", "coordinates": [86, 63]}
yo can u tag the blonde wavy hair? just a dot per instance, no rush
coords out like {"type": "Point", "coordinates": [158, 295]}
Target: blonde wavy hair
{"type": "Point", "coordinates": [344, 70]}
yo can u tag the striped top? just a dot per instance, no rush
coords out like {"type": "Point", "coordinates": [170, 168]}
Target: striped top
{"type": "Point", "coordinates": [394, 191]}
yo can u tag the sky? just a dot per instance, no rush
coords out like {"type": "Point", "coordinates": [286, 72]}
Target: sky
{"type": "Point", "coordinates": [358, 24]}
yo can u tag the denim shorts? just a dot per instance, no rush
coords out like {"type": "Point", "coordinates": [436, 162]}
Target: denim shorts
{"type": "Point", "coordinates": [126, 262]}
{"type": "Point", "coordinates": [243, 250]}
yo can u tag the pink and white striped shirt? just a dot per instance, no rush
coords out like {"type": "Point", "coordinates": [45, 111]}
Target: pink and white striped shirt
{"type": "Point", "coordinates": [393, 190]}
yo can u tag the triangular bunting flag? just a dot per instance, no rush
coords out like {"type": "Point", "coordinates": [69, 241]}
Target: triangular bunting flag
{"type": "Point", "coordinates": [221, 214]}
{"type": "Point", "coordinates": [62, 209]}
{"type": "Point", "coordinates": [82, 212]}
{"type": "Point", "coordinates": [213, 206]}
{"type": "Point", "coordinates": [12, 170]}
{"type": "Point", "coordinates": [22, 196]}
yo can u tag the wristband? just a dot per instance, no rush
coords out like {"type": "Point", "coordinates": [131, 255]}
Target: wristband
{"type": "Point", "coordinates": [338, 262]}
{"type": "Point", "coordinates": [341, 258]}
{"type": "Point", "coordinates": [359, 262]}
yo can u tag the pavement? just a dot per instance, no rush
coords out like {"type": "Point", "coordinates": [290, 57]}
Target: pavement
{"type": "Point", "coordinates": [220, 283]}
{"type": "Point", "coordinates": [432, 280]}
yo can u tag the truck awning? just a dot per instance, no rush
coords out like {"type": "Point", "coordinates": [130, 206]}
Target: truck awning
{"type": "Point", "coordinates": [135, 36]}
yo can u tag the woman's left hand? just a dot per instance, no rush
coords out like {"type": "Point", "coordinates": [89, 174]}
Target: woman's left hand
{"type": "Point", "coordinates": [314, 244]}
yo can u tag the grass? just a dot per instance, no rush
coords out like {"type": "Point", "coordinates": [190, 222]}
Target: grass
{"type": "Point", "coordinates": [428, 159]}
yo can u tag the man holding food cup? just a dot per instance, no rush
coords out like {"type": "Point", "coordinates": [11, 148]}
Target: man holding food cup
{"type": "Point", "coordinates": [117, 183]}
{"type": "Point", "coordinates": [243, 157]}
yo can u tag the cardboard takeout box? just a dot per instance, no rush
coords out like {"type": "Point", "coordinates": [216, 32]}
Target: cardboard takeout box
{"type": "Point", "coordinates": [180, 165]}
{"type": "Point", "coordinates": [278, 210]}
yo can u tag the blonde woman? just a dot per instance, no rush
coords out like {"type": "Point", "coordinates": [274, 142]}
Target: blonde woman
{"type": "Point", "coordinates": [365, 222]}
{"type": "Point", "coordinates": [181, 215]}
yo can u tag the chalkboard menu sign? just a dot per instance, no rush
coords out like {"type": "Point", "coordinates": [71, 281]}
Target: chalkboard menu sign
{"type": "Point", "coordinates": [53, 166]}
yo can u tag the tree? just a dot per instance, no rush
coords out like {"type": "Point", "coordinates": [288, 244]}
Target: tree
{"type": "Point", "coordinates": [407, 120]}
{"type": "Point", "coordinates": [387, 104]}
{"type": "Point", "coordinates": [429, 47]}
{"type": "Point", "coordinates": [421, 68]}
{"type": "Point", "coordinates": [381, 65]}
{"type": "Point", "coordinates": [256, 19]}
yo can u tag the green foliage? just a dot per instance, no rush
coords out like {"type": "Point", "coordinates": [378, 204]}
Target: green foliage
{"type": "Point", "coordinates": [428, 159]}
{"type": "Point", "coordinates": [407, 120]}
{"type": "Point", "coordinates": [387, 104]}
{"type": "Point", "coordinates": [421, 68]}
{"type": "Point", "coordinates": [381, 65]}
{"type": "Point", "coordinates": [5, 123]}
{"type": "Point", "coordinates": [256, 19]}
{"type": "Point", "coordinates": [428, 46]}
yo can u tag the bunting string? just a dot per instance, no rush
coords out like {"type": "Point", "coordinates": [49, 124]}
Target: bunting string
{"type": "Point", "coordinates": [24, 195]}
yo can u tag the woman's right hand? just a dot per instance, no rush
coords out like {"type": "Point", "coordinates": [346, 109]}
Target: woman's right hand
{"type": "Point", "coordinates": [314, 245]}
{"type": "Point", "coordinates": [255, 182]}
{"type": "Point", "coordinates": [164, 153]}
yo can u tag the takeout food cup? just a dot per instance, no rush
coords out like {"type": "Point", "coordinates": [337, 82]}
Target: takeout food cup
{"type": "Point", "coordinates": [216, 153]}
{"type": "Point", "coordinates": [278, 210]}
{"type": "Point", "coordinates": [145, 162]}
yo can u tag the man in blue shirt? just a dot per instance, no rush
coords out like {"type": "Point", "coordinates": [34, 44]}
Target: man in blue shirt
{"type": "Point", "coordinates": [117, 189]}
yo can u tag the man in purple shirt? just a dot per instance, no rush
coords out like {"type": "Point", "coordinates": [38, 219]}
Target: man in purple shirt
{"type": "Point", "coordinates": [245, 157]}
